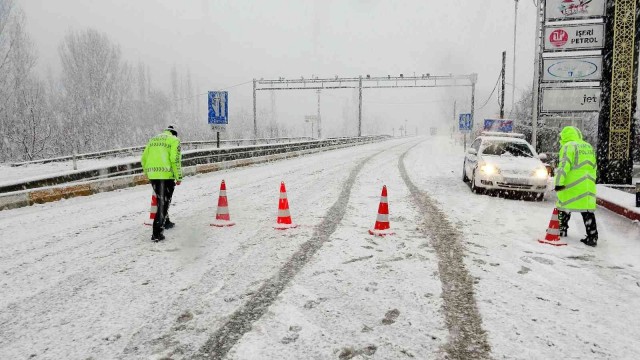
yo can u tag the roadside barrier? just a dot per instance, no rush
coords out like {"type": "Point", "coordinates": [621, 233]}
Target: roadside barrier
{"type": "Point", "coordinates": [199, 162]}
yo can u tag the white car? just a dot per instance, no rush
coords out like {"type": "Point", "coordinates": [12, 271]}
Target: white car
{"type": "Point", "coordinates": [507, 162]}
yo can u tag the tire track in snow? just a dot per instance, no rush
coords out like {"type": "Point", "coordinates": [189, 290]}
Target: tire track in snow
{"type": "Point", "coordinates": [467, 338]}
{"type": "Point", "coordinates": [241, 321]}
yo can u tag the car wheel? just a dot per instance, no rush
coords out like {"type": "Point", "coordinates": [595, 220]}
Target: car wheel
{"type": "Point", "coordinates": [474, 188]}
{"type": "Point", "coordinates": [464, 173]}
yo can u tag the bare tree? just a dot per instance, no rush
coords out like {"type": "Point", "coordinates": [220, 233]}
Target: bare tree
{"type": "Point", "coordinates": [96, 91]}
{"type": "Point", "coordinates": [32, 134]}
{"type": "Point", "coordinates": [18, 115]}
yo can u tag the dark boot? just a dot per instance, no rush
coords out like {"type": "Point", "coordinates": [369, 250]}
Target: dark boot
{"type": "Point", "coordinates": [168, 224]}
{"type": "Point", "coordinates": [590, 241]}
{"type": "Point", "coordinates": [157, 237]}
{"type": "Point", "coordinates": [592, 229]}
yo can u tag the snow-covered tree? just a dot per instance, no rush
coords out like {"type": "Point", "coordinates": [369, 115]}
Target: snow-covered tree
{"type": "Point", "coordinates": [96, 91]}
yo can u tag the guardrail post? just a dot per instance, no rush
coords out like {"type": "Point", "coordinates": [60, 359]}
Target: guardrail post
{"type": "Point", "coordinates": [638, 195]}
{"type": "Point", "coordinates": [75, 161]}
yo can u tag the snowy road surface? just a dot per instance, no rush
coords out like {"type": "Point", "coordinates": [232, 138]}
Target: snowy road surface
{"type": "Point", "coordinates": [80, 278]}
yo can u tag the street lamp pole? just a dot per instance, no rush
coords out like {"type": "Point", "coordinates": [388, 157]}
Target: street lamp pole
{"type": "Point", "coordinates": [536, 72]}
{"type": "Point", "coordinates": [513, 78]}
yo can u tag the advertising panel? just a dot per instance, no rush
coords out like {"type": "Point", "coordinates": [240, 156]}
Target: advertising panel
{"type": "Point", "coordinates": [585, 68]}
{"type": "Point", "coordinates": [575, 99]}
{"type": "Point", "coordinates": [558, 10]}
{"type": "Point", "coordinates": [574, 37]}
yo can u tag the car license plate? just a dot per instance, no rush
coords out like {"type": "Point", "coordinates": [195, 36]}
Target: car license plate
{"type": "Point", "coordinates": [517, 181]}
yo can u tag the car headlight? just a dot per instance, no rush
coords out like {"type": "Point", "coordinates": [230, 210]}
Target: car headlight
{"type": "Point", "coordinates": [489, 169]}
{"type": "Point", "coordinates": [541, 173]}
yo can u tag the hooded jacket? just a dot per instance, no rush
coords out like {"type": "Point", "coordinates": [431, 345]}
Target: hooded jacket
{"type": "Point", "coordinates": [162, 159]}
{"type": "Point", "coordinates": [576, 172]}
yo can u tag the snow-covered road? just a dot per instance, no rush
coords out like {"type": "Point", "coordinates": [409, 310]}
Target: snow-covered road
{"type": "Point", "coordinates": [80, 278]}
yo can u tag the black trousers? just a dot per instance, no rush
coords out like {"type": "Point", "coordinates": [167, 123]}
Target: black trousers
{"type": "Point", "coordinates": [589, 219]}
{"type": "Point", "coordinates": [164, 191]}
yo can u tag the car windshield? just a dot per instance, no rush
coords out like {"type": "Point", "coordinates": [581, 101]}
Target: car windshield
{"type": "Point", "coordinates": [507, 148]}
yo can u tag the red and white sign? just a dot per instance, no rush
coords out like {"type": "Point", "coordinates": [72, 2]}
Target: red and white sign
{"type": "Point", "coordinates": [573, 9]}
{"type": "Point", "coordinates": [558, 37]}
{"type": "Point", "coordinates": [574, 37]}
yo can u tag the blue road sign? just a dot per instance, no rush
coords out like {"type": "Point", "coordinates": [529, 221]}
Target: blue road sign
{"type": "Point", "coordinates": [218, 107]}
{"type": "Point", "coordinates": [465, 123]}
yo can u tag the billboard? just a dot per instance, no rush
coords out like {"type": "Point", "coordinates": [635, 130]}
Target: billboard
{"type": "Point", "coordinates": [558, 10]}
{"type": "Point", "coordinates": [574, 37]}
{"type": "Point", "coordinates": [499, 125]}
{"type": "Point", "coordinates": [574, 99]}
{"type": "Point", "coordinates": [585, 68]}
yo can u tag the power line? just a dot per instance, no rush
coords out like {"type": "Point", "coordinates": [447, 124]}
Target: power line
{"type": "Point", "coordinates": [492, 91]}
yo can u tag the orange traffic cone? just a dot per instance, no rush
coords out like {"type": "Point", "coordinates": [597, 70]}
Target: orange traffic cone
{"type": "Point", "coordinates": [382, 227]}
{"type": "Point", "coordinates": [284, 216]}
{"type": "Point", "coordinates": [153, 210]}
{"type": "Point", "coordinates": [222, 214]}
{"type": "Point", "coordinates": [553, 232]}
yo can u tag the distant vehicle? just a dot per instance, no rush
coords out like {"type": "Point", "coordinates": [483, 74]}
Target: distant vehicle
{"type": "Point", "coordinates": [434, 131]}
{"type": "Point", "coordinates": [506, 162]}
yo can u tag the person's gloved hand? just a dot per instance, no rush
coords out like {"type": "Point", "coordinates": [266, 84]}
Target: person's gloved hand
{"type": "Point", "coordinates": [178, 182]}
{"type": "Point", "coordinates": [559, 188]}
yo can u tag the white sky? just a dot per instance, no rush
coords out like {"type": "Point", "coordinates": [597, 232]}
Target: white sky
{"type": "Point", "coordinates": [229, 42]}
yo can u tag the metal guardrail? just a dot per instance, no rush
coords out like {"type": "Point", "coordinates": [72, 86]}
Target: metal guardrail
{"type": "Point", "coordinates": [198, 157]}
{"type": "Point", "coordinates": [137, 149]}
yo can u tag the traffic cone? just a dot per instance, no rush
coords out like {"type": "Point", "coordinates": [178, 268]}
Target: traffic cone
{"type": "Point", "coordinates": [284, 216]}
{"type": "Point", "coordinates": [222, 214]}
{"type": "Point", "coordinates": [553, 232]}
{"type": "Point", "coordinates": [153, 210]}
{"type": "Point", "coordinates": [382, 227]}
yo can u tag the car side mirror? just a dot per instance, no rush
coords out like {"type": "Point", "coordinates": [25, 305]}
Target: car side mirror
{"type": "Point", "coordinates": [472, 151]}
{"type": "Point", "coordinates": [543, 157]}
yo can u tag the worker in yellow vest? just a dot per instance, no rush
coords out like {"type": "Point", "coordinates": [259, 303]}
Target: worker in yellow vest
{"type": "Point", "coordinates": [576, 183]}
{"type": "Point", "coordinates": [162, 164]}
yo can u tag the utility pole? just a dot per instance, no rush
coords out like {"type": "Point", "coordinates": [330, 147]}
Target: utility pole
{"type": "Point", "coordinates": [474, 80]}
{"type": "Point", "coordinates": [513, 78]}
{"type": "Point", "coordinates": [319, 126]}
{"type": "Point", "coordinates": [360, 106]}
{"type": "Point", "coordinates": [453, 127]}
{"type": "Point", "coordinates": [536, 72]}
{"type": "Point", "coordinates": [405, 127]}
{"type": "Point", "coordinates": [255, 121]}
{"type": "Point", "coordinates": [504, 63]}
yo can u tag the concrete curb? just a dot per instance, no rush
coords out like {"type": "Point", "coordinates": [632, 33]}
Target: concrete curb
{"type": "Point", "coordinates": [620, 210]}
{"type": "Point", "coordinates": [25, 198]}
